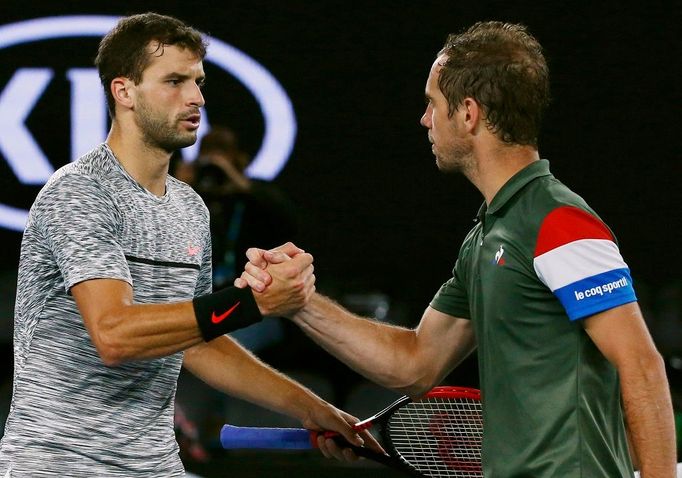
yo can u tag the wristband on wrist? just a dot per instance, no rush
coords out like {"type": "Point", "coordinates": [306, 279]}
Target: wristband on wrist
{"type": "Point", "coordinates": [224, 311]}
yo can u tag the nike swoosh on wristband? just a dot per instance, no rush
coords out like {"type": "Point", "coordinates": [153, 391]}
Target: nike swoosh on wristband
{"type": "Point", "coordinates": [216, 319]}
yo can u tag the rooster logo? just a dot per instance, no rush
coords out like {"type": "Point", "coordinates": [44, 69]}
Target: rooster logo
{"type": "Point", "coordinates": [499, 260]}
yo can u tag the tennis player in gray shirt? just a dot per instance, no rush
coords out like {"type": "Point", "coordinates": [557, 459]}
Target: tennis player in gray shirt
{"type": "Point", "coordinates": [114, 291]}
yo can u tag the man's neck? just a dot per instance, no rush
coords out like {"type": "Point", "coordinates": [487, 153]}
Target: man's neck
{"type": "Point", "coordinates": [496, 165]}
{"type": "Point", "coordinates": [147, 165]}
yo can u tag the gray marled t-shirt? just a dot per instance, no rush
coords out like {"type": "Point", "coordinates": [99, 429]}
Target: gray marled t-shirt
{"type": "Point", "coordinates": [71, 415]}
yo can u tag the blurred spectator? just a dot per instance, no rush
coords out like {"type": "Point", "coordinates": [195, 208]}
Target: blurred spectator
{"type": "Point", "coordinates": [245, 212]}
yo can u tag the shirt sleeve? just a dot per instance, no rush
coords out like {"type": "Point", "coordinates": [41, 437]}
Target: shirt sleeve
{"type": "Point", "coordinates": [452, 297]}
{"type": "Point", "coordinates": [80, 223]}
{"type": "Point", "coordinates": [577, 258]}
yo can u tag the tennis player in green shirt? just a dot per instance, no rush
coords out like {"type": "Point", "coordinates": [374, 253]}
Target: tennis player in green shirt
{"type": "Point", "coordinates": [539, 287]}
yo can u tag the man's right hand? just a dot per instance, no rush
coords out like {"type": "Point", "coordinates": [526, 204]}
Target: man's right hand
{"type": "Point", "coordinates": [287, 277]}
{"type": "Point", "coordinates": [256, 275]}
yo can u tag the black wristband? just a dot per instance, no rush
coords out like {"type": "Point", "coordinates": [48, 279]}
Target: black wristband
{"type": "Point", "coordinates": [224, 311]}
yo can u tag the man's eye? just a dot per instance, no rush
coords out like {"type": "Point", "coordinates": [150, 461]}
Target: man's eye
{"type": "Point", "coordinates": [174, 82]}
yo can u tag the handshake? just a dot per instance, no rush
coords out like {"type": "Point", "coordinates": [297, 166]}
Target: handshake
{"type": "Point", "coordinates": [281, 279]}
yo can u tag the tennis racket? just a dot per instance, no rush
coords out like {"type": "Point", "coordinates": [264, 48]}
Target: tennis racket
{"type": "Point", "coordinates": [438, 435]}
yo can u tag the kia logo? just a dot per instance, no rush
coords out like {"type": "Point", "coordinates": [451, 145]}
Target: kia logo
{"type": "Point", "coordinates": [88, 105]}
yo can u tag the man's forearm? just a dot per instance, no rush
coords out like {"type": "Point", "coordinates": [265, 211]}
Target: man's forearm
{"type": "Point", "coordinates": [649, 415]}
{"type": "Point", "coordinates": [383, 353]}
{"type": "Point", "coordinates": [228, 367]}
{"type": "Point", "coordinates": [122, 330]}
{"type": "Point", "coordinates": [145, 331]}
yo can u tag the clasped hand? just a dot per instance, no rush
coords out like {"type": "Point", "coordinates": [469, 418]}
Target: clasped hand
{"type": "Point", "coordinates": [282, 279]}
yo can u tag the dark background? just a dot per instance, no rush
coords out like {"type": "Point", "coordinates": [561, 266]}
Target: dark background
{"type": "Point", "coordinates": [375, 212]}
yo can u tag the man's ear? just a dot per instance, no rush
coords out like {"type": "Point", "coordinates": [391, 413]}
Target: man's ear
{"type": "Point", "coordinates": [471, 113]}
{"type": "Point", "coordinates": [123, 91]}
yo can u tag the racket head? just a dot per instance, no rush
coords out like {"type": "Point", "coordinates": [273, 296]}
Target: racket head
{"type": "Point", "coordinates": [439, 435]}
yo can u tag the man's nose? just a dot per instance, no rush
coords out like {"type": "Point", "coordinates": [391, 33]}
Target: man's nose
{"type": "Point", "coordinates": [196, 98]}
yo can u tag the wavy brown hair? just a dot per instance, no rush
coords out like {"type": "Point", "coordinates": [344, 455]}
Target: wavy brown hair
{"type": "Point", "coordinates": [501, 66]}
{"type": "Point", "coordinates": [123, 51]}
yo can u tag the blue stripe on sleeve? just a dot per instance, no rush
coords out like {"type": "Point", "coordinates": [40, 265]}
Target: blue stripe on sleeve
{"type": "Point", "coordinates": [597, 293]}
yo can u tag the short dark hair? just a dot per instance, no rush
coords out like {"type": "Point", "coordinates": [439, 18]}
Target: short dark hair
{"type": "Point", "coordinates": [123, 51]}
{"type": "Point", "coordinates": [502, 67]}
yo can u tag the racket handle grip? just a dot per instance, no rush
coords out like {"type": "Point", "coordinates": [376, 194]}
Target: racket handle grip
{"type": "Point", "coordinates": [232, 438]}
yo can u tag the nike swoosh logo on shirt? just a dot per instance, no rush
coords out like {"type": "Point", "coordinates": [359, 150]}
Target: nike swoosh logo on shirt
{"type": "Point", "coordinates": [216, 319]}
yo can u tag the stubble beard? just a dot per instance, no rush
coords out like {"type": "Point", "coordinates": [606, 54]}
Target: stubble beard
{"type": "Point", "coordinates": [159, 132]}
{"type": "Point", "coordinates": [458, 159]}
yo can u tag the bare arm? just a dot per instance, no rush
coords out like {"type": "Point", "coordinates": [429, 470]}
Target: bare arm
{"type": "Point", "coordinates": [409, 361]}
{"type": "Point", "coordinates": [122, 330]}
{"type": "Point", "coordinates": [406, 360]}
{"type": "Point", "coordinates": [228, 367]}
{"type": "Point", "coordinates": [622, 336]}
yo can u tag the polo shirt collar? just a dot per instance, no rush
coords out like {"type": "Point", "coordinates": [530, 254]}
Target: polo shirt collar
{"type": "Point", "coordinates": [534, 170]}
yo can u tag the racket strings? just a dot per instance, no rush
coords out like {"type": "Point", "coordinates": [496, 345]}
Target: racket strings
{"type": "Point", "coordinates": [440, 437]}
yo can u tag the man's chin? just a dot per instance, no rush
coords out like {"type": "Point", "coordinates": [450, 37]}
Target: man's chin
{"type": "Point", "coordinates": [182, 141]}
{"type": "Point", "coordinates": [189, 140]}
{"type": "Point", "coordinates": [448, 166]}
{"type": "Point", "coordinates": [442, 165]}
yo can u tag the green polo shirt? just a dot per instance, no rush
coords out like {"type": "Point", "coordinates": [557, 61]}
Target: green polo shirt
{"type": "Point", "coordinates": [552, 403]}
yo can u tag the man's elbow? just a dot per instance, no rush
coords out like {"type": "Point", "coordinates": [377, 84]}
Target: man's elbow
{"type": "Point", "coordinates": [416, 392]}
{"type": "Point", "coordinates": [644, 369]}
{"type": "Point", "coordinates": [110, 352]}
{"type": "Point", "coordinates": [108, 342]}
{"type": "Point", "coordinates": [653, 365]}
{"type": "Point", "coordinates": [651, 360]}
{"type": "Point", "coordinates": [416, 383]}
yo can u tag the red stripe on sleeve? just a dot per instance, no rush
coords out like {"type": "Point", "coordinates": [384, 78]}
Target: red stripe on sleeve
{"type": "Point", "coordinates": [567, 224]}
